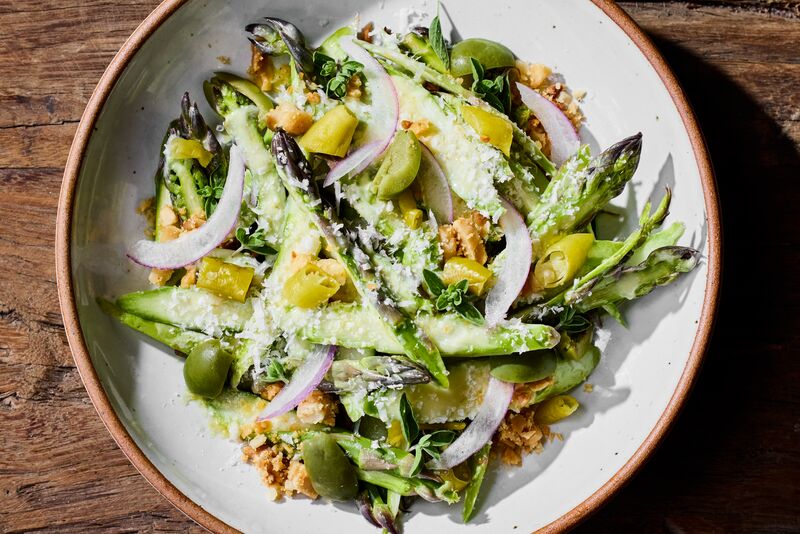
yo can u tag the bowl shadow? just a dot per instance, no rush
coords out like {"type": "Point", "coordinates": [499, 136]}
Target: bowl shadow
{"type": "Point", "coordinates": [756, 165]}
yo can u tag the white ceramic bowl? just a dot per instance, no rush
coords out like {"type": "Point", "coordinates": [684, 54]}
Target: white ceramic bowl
{"type": "Point", "coordinates": [137, 386]}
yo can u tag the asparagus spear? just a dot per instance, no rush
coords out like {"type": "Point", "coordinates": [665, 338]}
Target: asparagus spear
{"type": "Point", "coordinates": [582, 187]}
{"type": "Point", "coordinates": [353, 325]}
{"type": "Point", "coordinates": [174, 337]}
{"type": "Point", "coordinates": [374, 372]}
{"type": "Point", "coordinates": [295, 172]}
{"type": "Point", "coordinates": [661, 267]}
{"type": "Point", "coordinates": [480, 462]}
{"type": "Point", "coordinates": [195, 178]}
{"type": "Point", "coordinates": [582, 286]}
{"type": "Point", "coordinates": [243, 106]}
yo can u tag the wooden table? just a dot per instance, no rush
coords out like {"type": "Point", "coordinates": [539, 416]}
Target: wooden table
{"type": "Point", "coordinates": [732, 461]}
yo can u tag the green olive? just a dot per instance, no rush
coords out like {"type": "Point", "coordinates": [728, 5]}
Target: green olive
{"type": "Point", "coordinates": [206, 368]}
{"type": "Point", "coordinates": [331, 473]}
{"type": "Point", "coordinates": [524, 368]}
{"type": "Point", "coordinates": [490, 54]}
{"type": "Point", "coordinates": [372, 428]}
{"type": "Point", "coordinates": [400, 165]}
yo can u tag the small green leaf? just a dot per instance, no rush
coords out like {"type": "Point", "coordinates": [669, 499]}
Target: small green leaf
{"type": "Point", "coordinates": [255, 242]}
{"type": "Point", "coordinates": [433, 283]}
{"type": "Point", "coordinates": [437, 41]}
{"type": "Point", "coordinates": [470, 313]}
{"type": "Point", "coordinates": [569, 321]}
{"type": "Point", "coordinates": [407, 422]}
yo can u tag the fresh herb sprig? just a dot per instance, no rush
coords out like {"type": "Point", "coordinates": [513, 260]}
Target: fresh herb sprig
{"type": "Point", "coordinates": [571, 322]}
{"type": "Point", "coordinates": [275, 372]}
{"type": "Point", "coordinates": [454, 297]}
{"type": "Point", "coordinates": [334, 76]}
{"type": "Point", "coordinates": [437, 42]}
{"type": "Point", "coordinates": [430, 445]}
{"type": "Point", "coordinates": [496, 92]}
{"type": "Point", "coordinates": [255, 242]}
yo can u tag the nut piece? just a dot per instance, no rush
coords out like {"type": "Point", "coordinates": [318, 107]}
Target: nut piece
{"type": "Point", "coordinates": [261, 69]}
{"type": "Point", "coordinates": [190, 278]}
{"type": "Point", "coordinates": [518, 434]}
{"type": "Point", "coordinates": [159, 277]}
{"type": "Point", "coordinates": [449, 240]}
{"type": "Point", "coordinates": [469, 240]}
{"type": "Point", "coordinates": [292, 119]}
{"type": "Point", "coordinates": [317, 408]}
{"type": "Point", "coordinates": [533, 75]}
{"type": "Point", "coordinates": [298, 480]}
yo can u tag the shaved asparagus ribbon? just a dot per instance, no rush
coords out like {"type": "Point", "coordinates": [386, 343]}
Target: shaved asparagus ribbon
{"type": "Point", "coordinates": [480, 431]}
{"type": "Point", "coordinates": [384, 115]}
{"type": "Point", "coordinates": [564, 140]}
{"type": "Point", "coordinates": [193, 245]}
{"type": "Point", "coordinates": [304, 380]}
{"type": "Point", "coordinates": [515, 267]}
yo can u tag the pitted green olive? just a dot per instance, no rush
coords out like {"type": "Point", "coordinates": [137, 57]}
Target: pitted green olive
{"type": "Point", "coordinates": [331, 473]}
{"type": "Point", "coordinates": [523, 368]}
{"type": "Point", "coordinates": [206, 368]}
{"type": "Point", "coordinates": [400, 165]}
{"type": "Point", "coordinates": [490, 54]}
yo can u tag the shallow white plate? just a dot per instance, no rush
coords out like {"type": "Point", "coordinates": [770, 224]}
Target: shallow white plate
{"type": "Point", "coordinates": [137, 386]}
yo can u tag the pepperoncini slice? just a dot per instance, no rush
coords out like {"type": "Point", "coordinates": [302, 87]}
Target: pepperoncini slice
{"type": "Point", "coordinates": [310, 286]}
{"type": "Point", "coordinates": [180, 148]}
{"type": "Point", "coordinates": [332, 133]}
{"type": "Point", "coordinates": [561, 261]}
{"type": "Point", "coordinates": [225, 279]}
{"type": "Point", "coordinates": [458, 268]}
{"type": "Point", "coordinates": [412, 215]}
{"type": "Point", "coordinates": [555, 409]}
{"type": "Point", "coordinates": [492, 129]}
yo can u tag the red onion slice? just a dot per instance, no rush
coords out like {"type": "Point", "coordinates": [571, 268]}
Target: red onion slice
{"type": "Point", "coordinates": [304, 380]}
{"type": "Point", "coordinates": [480, 431]}
{"type": "Point", "coordinates": [515, 268]}
{"type": "Point", "coordinates": [435, 189]}
{"type": "Point", "coordinates": [193, 245]}
{"type": "Point", "coordinates": [564, 139]}
{"type": "Point", "coordinates": [384, 115]}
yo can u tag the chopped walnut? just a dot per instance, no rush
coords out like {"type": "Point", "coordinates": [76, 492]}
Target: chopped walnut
{"type": "Point", "coordinates": [272, 461]}
{"type": "Point", "coordinates": [194, 222]}
{"type": "Point", "coordinates": [533, 75]}
{"type": "Point", "coordinates": [261, 70]}
{"type": "Point", "coordinates": [298, 481]}
{"type": "Point", "coordinates": [289, 117]}
{"type": "Point", "coordinates": [159, 277]}
{"type": "Point", "coordinates": [449, 240]}
{"type": "Point", "coordinates": [422, 128]}
{"type": "Point", "coordinates": [313, 97]}
{"type": "Point", "coordinates": [523, 393]}
{"type": "Point", "coordinates": [518, 434]}
{"type": "Point", "coordinates": [354, 87]}
{"type": "Point", "coordinates": [317, 408]}
{"type": "Point", "coordinates": [469, 240]}
{"type": "Point", "coordinates": [189, 278]}
{"type": "Point", "coordinates": [271, 390]}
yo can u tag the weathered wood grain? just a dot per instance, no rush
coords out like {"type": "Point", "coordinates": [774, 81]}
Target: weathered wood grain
{"type": "Point", "coordinates": [732, 463]}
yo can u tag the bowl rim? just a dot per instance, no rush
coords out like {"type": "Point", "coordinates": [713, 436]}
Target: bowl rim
{"type": "Point", "coordinates": [207, 520]}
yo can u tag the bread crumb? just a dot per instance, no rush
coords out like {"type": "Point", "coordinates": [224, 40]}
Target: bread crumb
{"type": "Point", "coordinates": [318, 408]}
{"type": "Point", "coordinates": [518, 434]}
{"type": "Point", "coordinates": [292, 119]}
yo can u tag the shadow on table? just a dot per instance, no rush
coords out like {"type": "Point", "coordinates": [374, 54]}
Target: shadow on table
{"type": "Point", "coordinates": [711, 465]}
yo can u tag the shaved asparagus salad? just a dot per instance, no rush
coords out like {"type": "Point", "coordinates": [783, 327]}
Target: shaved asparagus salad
{"type": "Point", "coordinates": [382, 264]}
